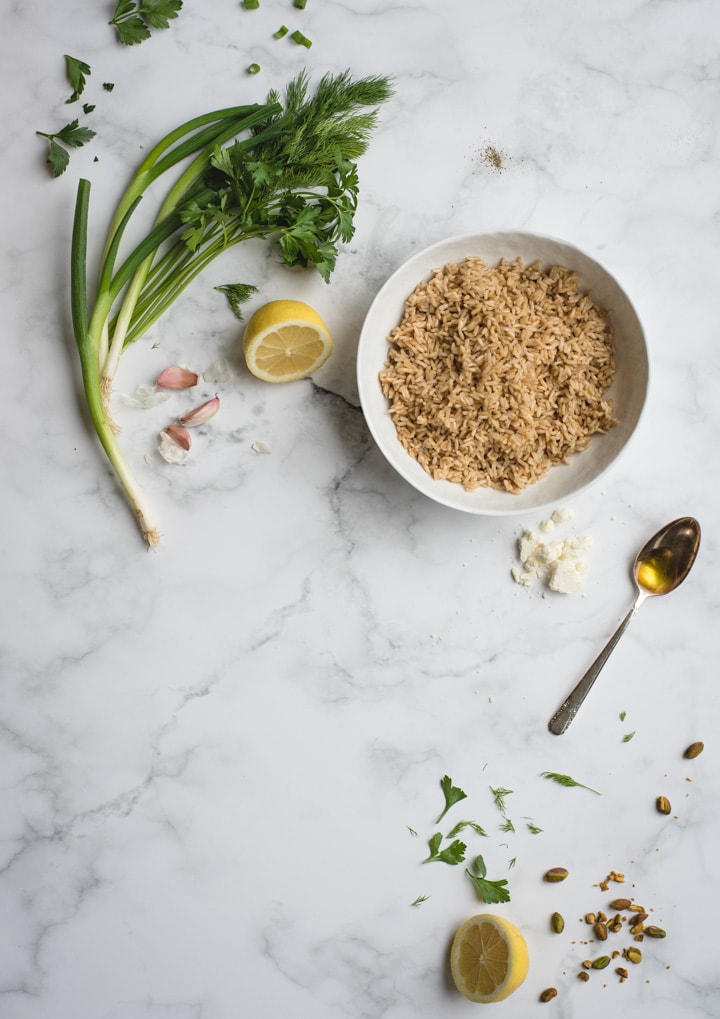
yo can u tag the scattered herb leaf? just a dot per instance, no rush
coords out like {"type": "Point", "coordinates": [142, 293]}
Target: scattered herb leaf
{"type": "Point", "coordinates": [512, 862]}
{"type": "Point", "coordinates": [623, 715]}
{"type": "Point", "coordinates": [88, 107]}
{"type": "Point", "coordinates": [412, 831]}
{"type": "Point", "coordinates": [628, 736]}
{"type": "Point", "coordinates": [462, 825]}
{"type": "Point", "coordinates": [507, 825]}
{"type": "Point", "coordinates": [488, 891]}
{"type": "Point", "coordinates": [108, 86]}
{"type": "Point", "coordinates": [452, 854]}
{"type": "Point", "coordinates": [420, 899]}
{"type": "Point", "coordinates": [499, 795]}
{"type": "Point", "coordinates": [452, 795]}
{"type": "Point", "coordinates": [237, 294]}
{"type": "Point", "coordinates": [134, 20]}
{"type": "Point", "coordinates": [533, 828]}
{"type": "Point", "coordinates": [566, 780]}
{"type": "Point", "coordinates": [77, 71]}
{"type": "Point", "coordinates": [71, 136]}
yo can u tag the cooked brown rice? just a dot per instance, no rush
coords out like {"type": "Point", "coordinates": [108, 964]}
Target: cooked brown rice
{"type": "Point", "coordinates": [494, 375]}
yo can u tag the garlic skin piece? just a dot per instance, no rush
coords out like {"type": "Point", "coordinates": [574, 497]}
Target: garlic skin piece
{"type": "Point", "coordinates": [201, 414]}
{"type": "Point", "coordinates": [177, 377]}
{"type": "Point", "coordinates": [174, 444]}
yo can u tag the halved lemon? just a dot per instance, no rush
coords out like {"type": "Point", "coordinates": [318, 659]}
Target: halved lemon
{"type": "Point", "coordinates": [488, 959]}
{"type": "Point", "coordinates": [285, 341]}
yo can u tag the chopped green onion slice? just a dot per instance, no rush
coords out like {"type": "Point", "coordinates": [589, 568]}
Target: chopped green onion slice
{"type": "Point", "coordinates": [253, 68]}
{"type": "Point", "coordinates": [300, 4]}
{"type": "Point", "coordinates": [251, 5]}
{"type": "Point", "coordinates": [282, 31]}
{"type": "Point", "coordinates": [300, 39]}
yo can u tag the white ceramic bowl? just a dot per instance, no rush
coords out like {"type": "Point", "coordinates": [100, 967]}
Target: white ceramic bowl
{"type": "Point", "coordinates": [627, 393]}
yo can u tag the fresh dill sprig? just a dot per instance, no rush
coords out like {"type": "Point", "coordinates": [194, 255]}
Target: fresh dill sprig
{"type": "Point", "coordinates": [566, 780]}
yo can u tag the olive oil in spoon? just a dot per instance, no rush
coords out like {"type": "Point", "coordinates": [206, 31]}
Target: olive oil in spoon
{"type": "Point", "coordinates": [660, 566]}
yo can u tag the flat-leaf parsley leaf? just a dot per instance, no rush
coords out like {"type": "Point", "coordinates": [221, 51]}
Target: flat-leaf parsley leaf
{"type": "Point", "coordinates": [488, 891]}
{"type": "Point", "coordinates": [133, 20]}
{"type": "Point", "coordinates": [452, 795]}
{"type": "Point", "coordinates": [452, 854]}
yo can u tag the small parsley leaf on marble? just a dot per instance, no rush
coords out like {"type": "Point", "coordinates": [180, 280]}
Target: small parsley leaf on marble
{"type": "Point", "coordinates": [420, 899]}
{"type": "Point", "coordinates": [71, 136]}
{"type": "Point", "coordinates": [452, 795]}
{"type": "Point", "coordinates": [452, 854]}
{"type": "Point", "coordinates": [567, 780]}
{"type": "Point", "coordinates": [488, 891]}
{"type": "Point", "coordinates": [77, 72]}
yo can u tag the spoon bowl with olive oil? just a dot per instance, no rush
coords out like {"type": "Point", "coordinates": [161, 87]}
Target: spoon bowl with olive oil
{"type": "Point", "coordinates": [660, 566]}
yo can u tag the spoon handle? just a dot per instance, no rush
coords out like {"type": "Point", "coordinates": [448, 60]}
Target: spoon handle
{"type": "Point", "coordinates": [571, 705]}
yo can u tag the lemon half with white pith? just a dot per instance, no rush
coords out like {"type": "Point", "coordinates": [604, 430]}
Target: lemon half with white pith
{"type": "Point", "coordinates": [285, 341]}
{"type": "Point", "coordinates": [488, 959]}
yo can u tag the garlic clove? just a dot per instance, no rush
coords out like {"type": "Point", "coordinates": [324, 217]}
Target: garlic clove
{"type": "Point", "coordinates": [174, 444]}
{"type": "Point", "coordinates": [179, 435]}
{"type": "Point", "coordinates": [177, 377]}
{"type": "Point", "coordinates": [201, 414]}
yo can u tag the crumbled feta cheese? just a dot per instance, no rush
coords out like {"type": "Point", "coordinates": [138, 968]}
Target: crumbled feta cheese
{"type": "Point", "coordinates": [559, 563]}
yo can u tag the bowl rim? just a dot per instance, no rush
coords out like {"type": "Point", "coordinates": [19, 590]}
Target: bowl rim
{"type": "Point", "coordinates": [387, 306]}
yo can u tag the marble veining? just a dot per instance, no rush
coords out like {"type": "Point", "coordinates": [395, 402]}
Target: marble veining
{"type": "Point", "coordinates": [221, 760]}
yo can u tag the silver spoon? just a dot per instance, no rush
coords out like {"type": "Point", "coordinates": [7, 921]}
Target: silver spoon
{"type": "Point", "coordinates": [660, 566]}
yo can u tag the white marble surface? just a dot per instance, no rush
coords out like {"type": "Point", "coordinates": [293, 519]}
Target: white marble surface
{"type": "Point", "coordinates": [211, 754]}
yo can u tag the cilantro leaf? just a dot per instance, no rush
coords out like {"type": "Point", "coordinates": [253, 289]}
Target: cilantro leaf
{"type": "Point", "coordinates": [134, 20]}
{"type": "Point", "coordinates": [452, 854]}
{"type": "Point", "coordinates": [77, 71]}
{"type": "Point", "coordinates": [566, 780]}
{"type": "Point", "coordinates": [237, 294]}
{"type": "Point", "coordinates": [452, 795]}
{"type": "Point", "coordinates": [488, 891]}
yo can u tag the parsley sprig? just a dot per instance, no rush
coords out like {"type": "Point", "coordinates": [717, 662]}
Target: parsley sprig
{"type": "Point", "coordinates": [488, 891]}
{"type": "Point", "coordinates": [135, 20]}
{"type": "Point", "coordinates": [453, 794]}
{"type": "Point", "coordinates": [71, 136]}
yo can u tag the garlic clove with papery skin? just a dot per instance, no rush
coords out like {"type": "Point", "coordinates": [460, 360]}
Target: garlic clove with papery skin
{"type": "Point", "coordinates": [177, 377]}
{"type": "Point", "coordinates": [174, 444]}
{"type": "Point", "coordinates": [201, 414]}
